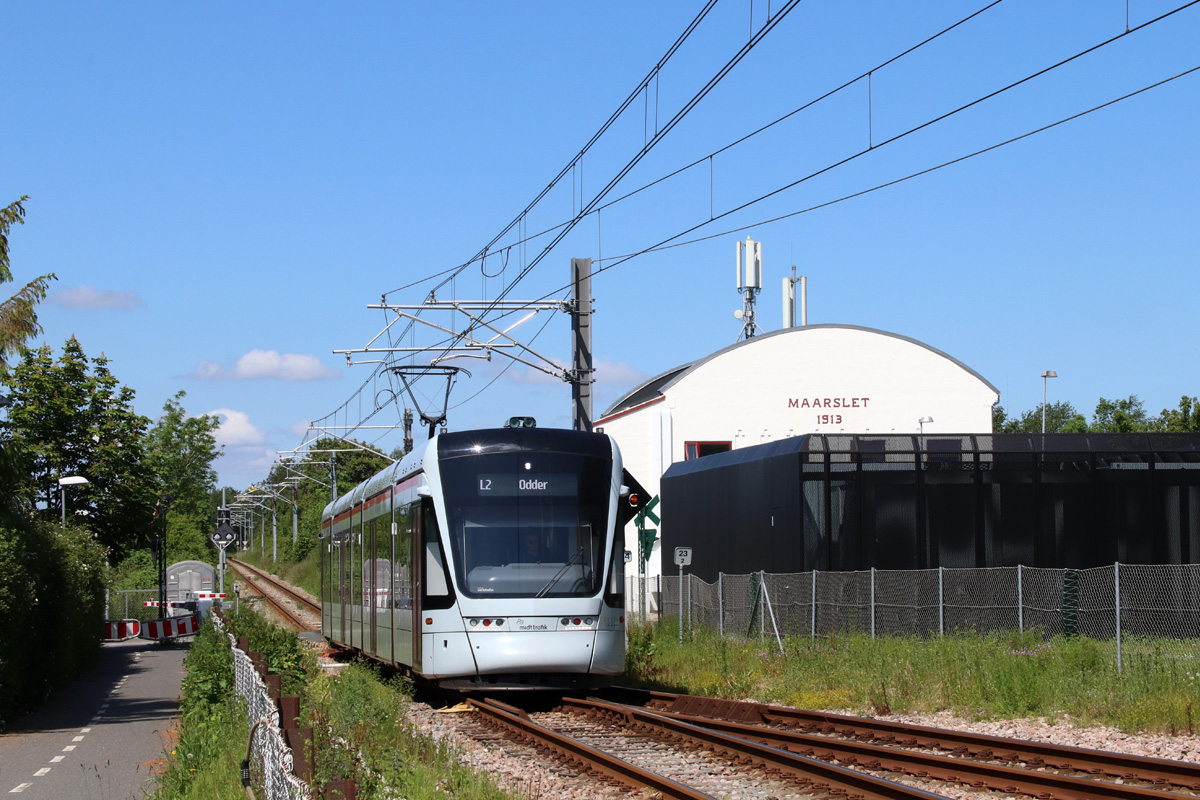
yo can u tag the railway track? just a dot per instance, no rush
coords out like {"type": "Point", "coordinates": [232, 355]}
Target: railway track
{"type": "Point", "coordinates": [693, 755]}
{"type": "Point", "coordinates": [1153, 772]}
{"type": "Point", "coordinates": [278, 596]}
{"type": "Point", "coordinates": [680, 761]}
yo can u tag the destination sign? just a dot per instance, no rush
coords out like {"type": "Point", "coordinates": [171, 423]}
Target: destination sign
{"type": "Point", "coordinates": [517, 484]}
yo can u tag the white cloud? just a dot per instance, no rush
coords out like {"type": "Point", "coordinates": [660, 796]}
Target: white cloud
{"type": "Point", "coordinates": [300, 429]}
{"type": "Point", "coordinates": [242, 466]}
{"type": "Point", "coordinates": [86, 297]}
{"type": "Point", "coordinates": [236, 429]}
{"type": "Point", "coordinates": [268, 364]}
{"type": "Point", "coordinates": [619, 377]}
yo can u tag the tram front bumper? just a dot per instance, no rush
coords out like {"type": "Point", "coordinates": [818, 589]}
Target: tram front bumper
{"type": "Point", "coordinates": [533, 651]}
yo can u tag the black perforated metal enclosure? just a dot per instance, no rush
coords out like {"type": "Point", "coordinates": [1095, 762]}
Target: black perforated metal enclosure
{"type": "Point", "coordinates": [851, 502]}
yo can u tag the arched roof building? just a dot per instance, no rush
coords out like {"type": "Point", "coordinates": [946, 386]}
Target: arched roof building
{"type": "Point", "coordinates": [826, 379]}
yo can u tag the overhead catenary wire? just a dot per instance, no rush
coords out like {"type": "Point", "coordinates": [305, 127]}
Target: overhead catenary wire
{"type": "Point", "coordinates": [524, 240]}
{"type": "Point", "coordinates": [659, 135]}
{"type": "Point", "coordinates": [670, 242]}
{"type": "Point", "coordinates": [861, 76]}
{"type": "Point", "coordinates": [666, 57]}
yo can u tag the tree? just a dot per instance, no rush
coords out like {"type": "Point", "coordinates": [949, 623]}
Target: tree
{"type": "Point", "coordinates": [1060, 418]}
{"type": "Point", "coordinates": [18, 315]}
{"type": "Point", "coordinates": [18, 322]}
{"type": "Point", "coordinates": [1121, 416]}
{"type": "Point", "coordinates": [72, 417]}
{"type": "Point", "coordinates": [180, 451]}
{"type": "Point", "coordinates": [312, 493]}
{"type": "Point", "coordinates": [1184, 419]}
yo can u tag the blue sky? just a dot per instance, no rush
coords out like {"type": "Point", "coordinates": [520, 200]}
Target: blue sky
{"type": "Point", "coordinates": [222, 189]}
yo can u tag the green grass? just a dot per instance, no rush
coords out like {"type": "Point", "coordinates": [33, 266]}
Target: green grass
{"type": "Point", "coordinates": [996, 676]}
{"type": "Point", "coordinates": [367, 715]}
{"type": "Point", "coordinates": [351, 712]}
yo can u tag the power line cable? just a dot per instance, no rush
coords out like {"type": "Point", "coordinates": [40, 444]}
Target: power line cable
{"type": "Point", "coordinates": [526, 239]}
{"type": "Point", "coordinates": [659, 135]}
{"type": "Point", "coordinates": [668, 244]}
{"type": "Point", "coordinates": [641, 86]}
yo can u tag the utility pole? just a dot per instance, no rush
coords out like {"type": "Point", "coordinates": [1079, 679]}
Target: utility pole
{"type": "Point", "coordinates": [581, 344]}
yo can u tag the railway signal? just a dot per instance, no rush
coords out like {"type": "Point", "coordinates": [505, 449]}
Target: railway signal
{"type": "Point", "coordinates": [646, 537]}
{"type": "Point", "coordinates": [222, 537]}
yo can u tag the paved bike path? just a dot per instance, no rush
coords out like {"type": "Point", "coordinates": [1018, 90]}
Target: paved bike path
{"type": "Point", "coordinates": [102, 737]}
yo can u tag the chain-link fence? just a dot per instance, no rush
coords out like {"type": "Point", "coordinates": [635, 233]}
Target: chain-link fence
{"type": "Point", "coordinates": [271, 754]}
{"type": "Point", "coordinates": [131, 604]}
{"type": "Point", "coordinates": [1134, 607]}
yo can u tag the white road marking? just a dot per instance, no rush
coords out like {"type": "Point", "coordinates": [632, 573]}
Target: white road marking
{"type": "Point", "coordinates": [77, 739]}
{"type": "Point", "coordinates": [57, 759]}
{"type": "Point", "coordinates": [41, 772]}
{"type": "Point", "coordinates": [85, 730]}
{"type": "Point", "coordinates": [20, 788]}
{"type": "Point", "coordinates": [68, 748]}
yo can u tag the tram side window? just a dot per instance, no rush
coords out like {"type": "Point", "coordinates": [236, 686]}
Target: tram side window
{"type": "Point", "coordinates": [436, 585]}
{"type": "Point", "coordinates": [402, 573]}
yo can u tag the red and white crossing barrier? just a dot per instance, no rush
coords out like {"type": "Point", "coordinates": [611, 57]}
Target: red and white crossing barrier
{"type": "Point", "coordinates": [183, 603]}
{"type": "Point", "coordinates": [171, 627]}
{"type": "Point", "coordinates": [120, 630]}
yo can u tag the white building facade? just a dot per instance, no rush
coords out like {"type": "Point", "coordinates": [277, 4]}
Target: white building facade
{"type": "Point", "coordinates": [811, 379]}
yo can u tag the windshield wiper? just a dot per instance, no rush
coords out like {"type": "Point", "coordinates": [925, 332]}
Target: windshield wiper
{"type": "Point", "coordinates": [542, 592]}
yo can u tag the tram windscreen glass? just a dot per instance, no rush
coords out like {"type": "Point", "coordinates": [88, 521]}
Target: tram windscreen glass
{"type": "Point", "coordinates": [528, 524]}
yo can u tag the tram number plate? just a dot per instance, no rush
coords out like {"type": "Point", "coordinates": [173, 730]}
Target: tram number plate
{"type": "Point", "coordinates": [683, 556]}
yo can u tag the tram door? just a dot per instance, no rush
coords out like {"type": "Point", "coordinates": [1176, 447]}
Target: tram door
{"type": "Point", "coordinates": [418, 583]}
{"type": "Point", "coordinates": [370, 573]}
{"type": "Point", "coordinates": [341, 540]}
{"type": "Point", "coordinates": [405, 626]}
{"type": "Point", "coordinates": [354, 585]}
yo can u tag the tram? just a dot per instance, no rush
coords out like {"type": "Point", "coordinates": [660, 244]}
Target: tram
{"type": "Point", "coordinates": [488, 559]}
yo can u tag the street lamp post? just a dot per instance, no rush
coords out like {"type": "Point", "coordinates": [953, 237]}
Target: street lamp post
{"type": "Point", "coordinates": [63, 483]}
{"type": "Point", "coordinates": [1046, 374]}
{"type": "Point", "coordinates": [922, 422]}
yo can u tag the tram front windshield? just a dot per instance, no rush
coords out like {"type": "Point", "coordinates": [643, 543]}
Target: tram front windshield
{"type": "Point", "coordinates": [527, 524]}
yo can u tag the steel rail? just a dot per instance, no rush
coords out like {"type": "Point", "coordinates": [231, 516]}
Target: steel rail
{"type": "Point", "coordinates": [588, 757]}
{"type": "Point", "coordinates": [976, 774]}
{"type": "Point", "coordinates": [960, 743]}
{"type": "Point", "coordinates": [810, 773]}
{"type": "Point", "coordinates": [280, 608]}
{"type": "Point", "coordinates": [277, 584]}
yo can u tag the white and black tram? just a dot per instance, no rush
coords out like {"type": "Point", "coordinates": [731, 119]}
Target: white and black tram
{"type": "Point", "coordinates": [486, 559]}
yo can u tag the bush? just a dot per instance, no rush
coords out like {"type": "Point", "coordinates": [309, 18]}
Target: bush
{"type": "Point", "coordinates": [51, 610]}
